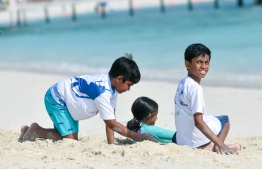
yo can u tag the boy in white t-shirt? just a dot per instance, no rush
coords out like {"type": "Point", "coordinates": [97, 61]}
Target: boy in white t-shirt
{"type": "Point", "coordinates": [82, 97]}
{"type": "Point", "coordinates": [194, 127]}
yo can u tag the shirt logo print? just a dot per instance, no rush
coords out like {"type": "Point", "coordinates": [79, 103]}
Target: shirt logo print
{"type": "Point", "coordinates": [84, 90]}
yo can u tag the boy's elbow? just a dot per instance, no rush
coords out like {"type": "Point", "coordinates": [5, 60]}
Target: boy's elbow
{"type": "Point", "coordinates": [198, 119]}
{"type": "Point", "coordinates": [197, 124]}
{"type": "Point", "coordinates": [110, 123]}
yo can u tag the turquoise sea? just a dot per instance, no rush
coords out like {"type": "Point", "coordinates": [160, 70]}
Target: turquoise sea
{"type": "Point", "coordinates": [157, 41]}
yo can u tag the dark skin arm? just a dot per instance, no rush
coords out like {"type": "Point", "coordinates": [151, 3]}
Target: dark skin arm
{"type": "Point", "coordinates": [122, 130]}
{"type": "Point", "coordinates": [110, 134]}
{"type": "Point", "coordinates": [202, 126]}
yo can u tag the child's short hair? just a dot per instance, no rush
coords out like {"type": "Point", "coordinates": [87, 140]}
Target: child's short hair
{"type": "Point", "coordinates": [125, 66]}
{"type": "Point", "coordinates": [141, 108]}
{"type": "Point", "coordinates": [196, 49]}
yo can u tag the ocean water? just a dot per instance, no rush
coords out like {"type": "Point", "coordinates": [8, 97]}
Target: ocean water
{"type": "Point", "coordinates": [157, 42]}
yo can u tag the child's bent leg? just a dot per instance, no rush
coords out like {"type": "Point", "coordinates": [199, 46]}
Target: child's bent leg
{"type": "Point", "coordinates": [36, 131]}
{"type": "Point", "coordinates": [208, 147]}
{"type": "Point", "coordinates": [225, 125]}
{"type": "Point", "coordinates": [223, 135]}
{"type": "Point", "coordinates": [24, 129]}
{"type": "Point", "coordinates": [224, 132]}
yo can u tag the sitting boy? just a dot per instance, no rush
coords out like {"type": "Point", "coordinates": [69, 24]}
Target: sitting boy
{"type": "Point", "coordinates": [194, 127]}
{"type": "Point", "coordinates": [82, 97]}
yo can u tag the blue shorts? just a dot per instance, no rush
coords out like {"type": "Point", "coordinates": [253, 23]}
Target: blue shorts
{"type": "Point", "coordinates": [63, 121]}
{"type": "Point", "coordinates": [223, 120]}
{"type": "Point", "coordinates": [174, 138]}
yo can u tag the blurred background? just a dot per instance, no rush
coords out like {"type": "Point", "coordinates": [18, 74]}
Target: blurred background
{"type": "Point", "coordinates": [85, 36]}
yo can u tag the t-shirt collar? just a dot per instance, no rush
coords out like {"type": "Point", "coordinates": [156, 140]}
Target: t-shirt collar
{"type": "Point", "coordinates": [112, 90]}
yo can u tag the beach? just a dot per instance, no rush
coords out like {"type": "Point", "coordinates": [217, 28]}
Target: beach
{"type": "Point", "coordinates": [36, 56]}
{"type": "Point", "coordinates": [22, 96]}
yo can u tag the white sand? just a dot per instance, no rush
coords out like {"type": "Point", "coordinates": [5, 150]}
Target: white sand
{"type": "Point", "coordinates": [22, 103]}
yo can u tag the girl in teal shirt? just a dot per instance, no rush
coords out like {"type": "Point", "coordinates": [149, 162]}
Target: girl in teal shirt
{"type": "Point", "coordinates": [145, 112]}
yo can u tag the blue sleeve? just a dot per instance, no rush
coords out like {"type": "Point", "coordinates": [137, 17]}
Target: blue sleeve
{"type": "Point", "coordinates": [162, 135]}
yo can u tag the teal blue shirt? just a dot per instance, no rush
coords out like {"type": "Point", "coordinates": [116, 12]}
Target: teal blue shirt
{"type": "Point", "coordinates": [162, 135]}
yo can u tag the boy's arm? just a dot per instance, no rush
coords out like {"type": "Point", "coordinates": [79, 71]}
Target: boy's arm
{"type": "Point", "coordinates": [110, 133]}
{"type": "Point", "coordinates": [120, 129]}
{"type": "Point", "coordinates": [202, 126]}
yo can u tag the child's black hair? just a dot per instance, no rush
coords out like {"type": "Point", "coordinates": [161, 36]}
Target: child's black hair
{"type": "Point", "coordinates": [196, 49]}
{"type": "Point", "coordinates": [141, 108]}
{"type": "Point", "coordinates": [125, 66]}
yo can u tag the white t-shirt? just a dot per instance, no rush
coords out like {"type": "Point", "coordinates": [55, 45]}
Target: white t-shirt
{"type": "Point", "coordinates": [87, 95]}
{"type": "Point", "coordinates": [189, 99]}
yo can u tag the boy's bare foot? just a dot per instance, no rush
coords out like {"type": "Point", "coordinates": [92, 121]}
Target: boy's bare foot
{"type": "Point", "coordinates": [31, 135]}
{"type": "Point", "coordinates": [235, 147]}
{"type": "Point", "coordinates": [24, 129]}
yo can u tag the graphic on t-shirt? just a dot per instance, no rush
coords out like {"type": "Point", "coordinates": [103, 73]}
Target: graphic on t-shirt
{"type": "Point", "coordinates": [180, 101]}
{"type": "Point", "coordinates": [82, 89]}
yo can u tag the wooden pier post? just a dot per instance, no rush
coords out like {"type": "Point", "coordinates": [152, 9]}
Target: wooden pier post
{"type": "Point", "coordinates": [74, 12]}
{"type": "Point", "coordinates": [18, 20]}
{"type": "Point", "coordinates": [162, 6]}
{"type": "Point", "coordinates": [25, 19]}
{"type": "Point", "coordinates": [12, 23]}
{"type": "Point", "coordinates": [13, 12]}
{"type": "Point", "coordinates": [190, 5]}
{"type": "Point", "coordinates": [63, 9]}
{"type": "Point", "coordinates": [240, 3]}
{"type": "Point", "coordinates": [47, 20]}
{"type": "Point", "coordinates": [103, 14]}
{"type": "Point", "coordinates": [258, 2]}
{"type": "Point", "coordinates": [216, 4]}
{"type": "Point", "coordinates": [131, 8]}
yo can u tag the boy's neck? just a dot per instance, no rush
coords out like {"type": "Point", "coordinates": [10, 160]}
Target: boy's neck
{"type": "Point", "coordinates": [196, 79]}
{"type": "Point", "coordinates": [113, 82]}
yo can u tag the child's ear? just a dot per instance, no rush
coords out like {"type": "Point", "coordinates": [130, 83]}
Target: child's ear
{"type": "Point", "coordinates": [187, 64]}
{"type": "Point", "coordinates": [119, 78]}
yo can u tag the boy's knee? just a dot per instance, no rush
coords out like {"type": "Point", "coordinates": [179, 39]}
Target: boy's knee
{"type": "Point", "coordinates": [223, 118]}
{"type": "Point", "coordinates": [226, 118]}
{"type": "Point", "coordinates": [34, 125]}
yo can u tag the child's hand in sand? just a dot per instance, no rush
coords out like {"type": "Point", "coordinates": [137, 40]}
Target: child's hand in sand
{"type": "Point", "coordinates": [224, 149]}
{"type": "Point", "coordinates": [234, 147]}
{"type": "Point", "coordinates": [147, 136]}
